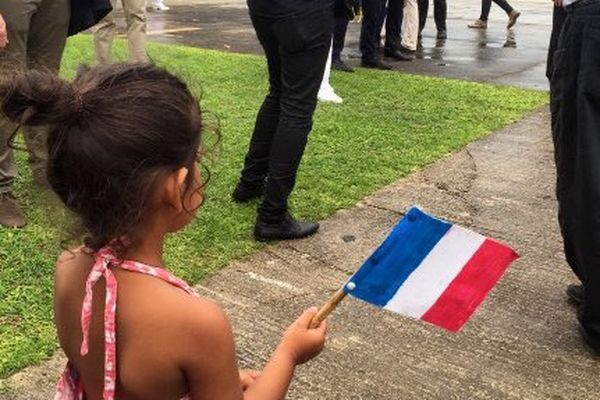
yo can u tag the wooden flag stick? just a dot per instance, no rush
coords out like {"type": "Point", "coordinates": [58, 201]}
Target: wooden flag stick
{"type": "Point", "coordinates": [327, 308]}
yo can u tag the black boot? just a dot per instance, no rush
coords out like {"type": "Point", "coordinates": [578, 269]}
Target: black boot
{"type": "Point", "coordinates": [575, 293]}
{"type": "Point", "coordinates": [338, 65]}
{"type": "Point", "coordinates": [287, 229]}
{"type": "Point", "coordinates": [376, 64]}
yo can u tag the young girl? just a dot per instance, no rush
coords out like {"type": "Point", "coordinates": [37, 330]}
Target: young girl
{"type": "Point", "coordinates": [123, 157]}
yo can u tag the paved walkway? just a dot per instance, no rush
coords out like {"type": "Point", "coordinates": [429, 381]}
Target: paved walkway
{"type": "Point", "coordinates": [515, 57]}
{"type": "Point", "coordinates": [522, 344]}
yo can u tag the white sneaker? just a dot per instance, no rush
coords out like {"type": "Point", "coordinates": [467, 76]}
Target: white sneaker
{"type": "Point", "coordinates": [328, 95]}
{"type": "Point", "coordinates": [158, 6]}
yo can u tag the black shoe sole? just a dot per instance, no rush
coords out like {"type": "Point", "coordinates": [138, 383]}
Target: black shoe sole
{"type": "Point", "coordinates": [268, 237]}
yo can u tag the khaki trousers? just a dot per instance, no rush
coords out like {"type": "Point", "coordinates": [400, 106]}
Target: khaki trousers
{"type": "Point", "coordinates": [105, 30]}
{"type": "Point", "coordinates": [410, 25]}
{"type": "Point", "coordinates": [37, 32]}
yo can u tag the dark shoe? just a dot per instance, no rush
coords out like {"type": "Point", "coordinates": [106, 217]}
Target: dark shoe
{"type": "Point", "coordinates": [287, 229]}
{"type": "Point", "coordinates": [11, 215]}
{"type": "Point", "coordinates": [339, 65]}
{"type": "Point", "coordinates": [399, 55]}
{"type": "Point", "coordinates": [442, 35]}
{"type": "Point", "coordinates": [243, 193]}
{"type": "Point", "coordinates": [575, 293]}
{"type": "Point", "coordinates": [512, 18]}
{"type": "Point", "coordinates": [376, 64]}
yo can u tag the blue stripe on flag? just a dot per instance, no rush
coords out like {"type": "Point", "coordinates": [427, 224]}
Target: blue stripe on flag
{"type": "Point", "coordinates": [399, 255]}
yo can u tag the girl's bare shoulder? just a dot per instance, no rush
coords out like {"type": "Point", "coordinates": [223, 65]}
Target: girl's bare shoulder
{"type": "Point", "coordinates": [72, 265]}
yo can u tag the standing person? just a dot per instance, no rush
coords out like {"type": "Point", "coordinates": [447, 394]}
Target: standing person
{"type": "Point", "coordinates": [558, 19]}
{"type": "Point", "coordinates": [35, 33]}
{"type": "Point", "coordinates": [486, 5]}
{"type": "Point", "coordinates": [296, 37]}
{"type": "Point", "coordinates": [343, 13]}
{"type": "Point", "coordinates": [104, 32]}
{"type": "Point", "coordinates": [574, 94]}
{"type": "Point", "coordinates": [439, 14]}
{"type": "Point", "coordinates": [326, 92]}
{"type": "Point", "coordinates": [370, 33]}
{"type": "Point", "coordinates": [401, 30]}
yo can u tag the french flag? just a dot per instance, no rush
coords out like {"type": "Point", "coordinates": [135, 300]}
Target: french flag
{"type": "Point", "coordinates": [431, 270]}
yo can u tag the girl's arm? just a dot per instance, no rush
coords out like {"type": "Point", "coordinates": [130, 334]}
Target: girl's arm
{"type": "Point", "coordinates": [213, 374]}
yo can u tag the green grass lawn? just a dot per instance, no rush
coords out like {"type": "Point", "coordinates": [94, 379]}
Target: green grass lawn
{"type": "Point", "coordinates": [389, 125]}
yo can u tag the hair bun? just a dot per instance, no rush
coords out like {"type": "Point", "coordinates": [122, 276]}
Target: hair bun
{"type": "Point", "coordinates": [38, 98]}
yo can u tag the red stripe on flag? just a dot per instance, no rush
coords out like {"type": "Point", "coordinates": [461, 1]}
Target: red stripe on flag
{"type": "Point", "coordinates": [468, 289]}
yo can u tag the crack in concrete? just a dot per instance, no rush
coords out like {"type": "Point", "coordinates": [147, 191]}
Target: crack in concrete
{"type": "Point", "coordinates": [459, 193]}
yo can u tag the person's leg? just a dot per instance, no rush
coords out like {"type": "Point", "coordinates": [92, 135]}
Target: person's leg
{"type": "Point", "coordinates": [339, 36]}
{"type": "Point", "coordinates": [18, 14]}
{"type": "Point", "coordinates": [393, 25]}
{"type": "Point", "coordinates": [370, 30]}
{"type": "Point", "coordinates": [440, 12]}
{"type": "Point", "coordinates": [503, 4]}
{"type": "Point", "coordinates": [256, 164]}
{"type": "Point", "coordinates": [326, 91]}
{"type": "Point", "coordinates": [423, 11]}
{"type": "Point", "coordinates": [304, 44]}
{"type": "Point", "coordinates": [558, 19]}
{"type": "Point", "coordinates": [104, 33]}
{"type": "Point", "coordinates": [486, 6]}
{"type": "Point", "coordinates": [575, 130]}
{"type": "Point", "coordinates": [410, 25]}
{"type": "Point", "coordinates": [46, 43]}
{"type": "Point", "coordinates": [135, 15]}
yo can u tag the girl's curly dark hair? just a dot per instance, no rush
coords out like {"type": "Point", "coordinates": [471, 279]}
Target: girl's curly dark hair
{"type": "Point", "coordinates": [114, 131]}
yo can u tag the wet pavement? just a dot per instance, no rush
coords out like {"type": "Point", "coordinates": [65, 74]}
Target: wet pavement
{"type": "Point", "coordinates": [497, 55]}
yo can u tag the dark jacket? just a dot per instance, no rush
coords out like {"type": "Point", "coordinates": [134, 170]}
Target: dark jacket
{"type": "Point", "coordinates": [87, 13]}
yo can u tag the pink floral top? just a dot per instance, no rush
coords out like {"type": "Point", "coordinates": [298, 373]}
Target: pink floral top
{"type": "Point", "coordinates": [70, 386]}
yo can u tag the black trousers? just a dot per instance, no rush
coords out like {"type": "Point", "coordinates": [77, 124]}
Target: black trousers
{"type": "Point", "coordinates": [339, 35]}
{"type": "Point", "coordinates": [486, 6]}
{"type": "Point", "coordinates": [575, 106]}
{"type": "Point", "coordinates": [558, 19]}
{"type": "Point", "coordinates": [370, 30]}
{"type": "Point", "coordinates": [440, 11]}
{"type": "Point", "coordinates": [296, 48]}
{"type": "Point", "coordinates": [374, 13]}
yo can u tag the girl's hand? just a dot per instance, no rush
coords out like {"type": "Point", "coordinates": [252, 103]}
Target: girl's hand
{"type": "Point", "coordinates": [301, 342]}
{"type": "Point", "coordinates": [247, 377]}
{"type": "Point", "coordinates": [3, 34]}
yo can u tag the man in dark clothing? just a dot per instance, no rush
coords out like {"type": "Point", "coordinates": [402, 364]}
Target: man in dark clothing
{"type": "Point", "coordinates": [439, 15]}
{"type": "Point", "coordinates": [575, 106]}
{"type": "Point", "coordinates": [342, 16]}
{"type": "Point", "coordinates": [295, 36]}
{"type": "Point", "coordinates": [558, 19]}
{"type": "Point", "coordinates": [375, 12]}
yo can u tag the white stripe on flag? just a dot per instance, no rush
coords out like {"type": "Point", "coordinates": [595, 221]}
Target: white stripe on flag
{"type": "Point", "coordinates": [431, 278]}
